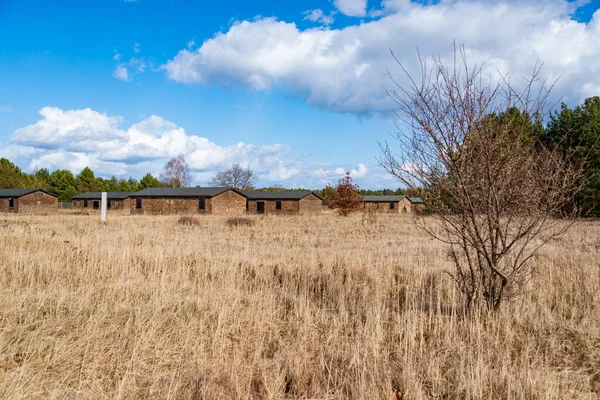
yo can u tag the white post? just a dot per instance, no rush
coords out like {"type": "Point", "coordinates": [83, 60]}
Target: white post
{"type": "Point", "coordinates": [103, 212]}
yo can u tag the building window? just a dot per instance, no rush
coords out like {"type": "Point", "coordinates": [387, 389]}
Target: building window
{"type": "Point", "coordinates": [202, 204]}
{"type": "Point", "coordinates": [96, 204]}
{"type": "Point", "coordinates": [278, 204]}
{"type": "Point", "coordinates": [11, 203]}
{"type": "Point", "coordinates": [85, 204]}
{"type": "Point", "coordinates": [392, 205]}
{"type": "Point", "coordinates": [138, 204]}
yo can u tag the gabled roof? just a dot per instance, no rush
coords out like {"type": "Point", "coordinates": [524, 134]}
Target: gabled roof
{"type": "Point", "coordinates": [383, 199]}
{"type": "Point", "coordinates": [184, 192]}
{"type": "Point", "coordinates": [415, 199]}
{"type": "Point", "coordinates": [283, 195]}
{"type": "Point", "coordinates": [98, 196]}
{"type": "Point", "coordinates": [22, 192]}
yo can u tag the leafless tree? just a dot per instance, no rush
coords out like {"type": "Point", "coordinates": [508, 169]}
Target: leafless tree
{"type": "Point", "coordinates": [235, 176]}
{"type": "Point", "coordinates": [176, 173]}
{"type": "Point", "coordinates": [470, 141]}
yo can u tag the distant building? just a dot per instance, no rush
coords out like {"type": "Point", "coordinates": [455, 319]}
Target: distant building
{"type": "Point", "coordinates": [285, 202]}
{"type": "Point", "coordinates": [27, 201]}
{"type": "Point", "coordinates": [114, 200]}
{"type": "Point", "coordinates": [393, 204]}
{"type": "Point", "coordinates": [206, 200]}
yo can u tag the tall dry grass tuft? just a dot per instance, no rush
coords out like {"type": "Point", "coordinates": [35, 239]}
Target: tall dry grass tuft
{"type": "Point", "coordinates": [188, 221]}
{"type": "Point", "coordinates": [299, 307]}
{"type": "Point", "coordinates": [240, 222]}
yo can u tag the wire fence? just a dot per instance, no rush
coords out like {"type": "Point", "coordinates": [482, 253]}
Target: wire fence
{"type": "Point", "coordinates": [66, 205]}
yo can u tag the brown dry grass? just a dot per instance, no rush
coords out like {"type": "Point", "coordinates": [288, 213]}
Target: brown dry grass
{"type": "Point", "coordinates": [297, 307]}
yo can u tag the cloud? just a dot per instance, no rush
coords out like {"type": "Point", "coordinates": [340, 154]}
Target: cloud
{"type": "Point", "coordinates": [6, 109]}
{"type": "Point", "coordinates": [317, 15]}
{"type": "Point", "coordinates": [74, 139]}
{"type": "Point", "coordinates": [352, 8]}
{"type": "Point", "coordinates": [344, 70]}
{"type": "Point", "coordinates": [126, 70]}
{"type": "Point", "coordinates": [121, 73]}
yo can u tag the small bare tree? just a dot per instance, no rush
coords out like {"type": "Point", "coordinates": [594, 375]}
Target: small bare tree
{"type": "Point", "coordinates": [344, 197]}
{"type": "Point", "coordinates": [176, 173]}
{"type": "Point", "coordinates": [471, 144]}
{"type": "Point", "coordinates": [235, 176]}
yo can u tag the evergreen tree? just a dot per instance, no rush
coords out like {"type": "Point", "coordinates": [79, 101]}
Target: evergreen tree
{"type": "Point", "coordinates": [576, 133]}
{"type": "Point", "coordinates": [10, 175]}
{"type": "Point", "coordinates": [149, 181]}
{"type": "Point", "coordinates": [62, 183]}
{"type": "Point", "coordinates": [87, 182]}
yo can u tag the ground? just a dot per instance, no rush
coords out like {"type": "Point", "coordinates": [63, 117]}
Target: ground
{"type": "Point", "coordinates": [291, 307]}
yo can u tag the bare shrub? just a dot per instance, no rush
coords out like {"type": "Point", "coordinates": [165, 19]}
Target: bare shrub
{"type": "Point", "coordinates": [240, 222]}
{"type": "Point", "coordinates": [472, 144]}
{"type": "Point", "coordinates": [188, 221]}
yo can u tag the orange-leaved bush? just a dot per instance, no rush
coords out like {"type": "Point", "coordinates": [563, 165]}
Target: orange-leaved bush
{"type": "Point", "coordinates": [344, 197]}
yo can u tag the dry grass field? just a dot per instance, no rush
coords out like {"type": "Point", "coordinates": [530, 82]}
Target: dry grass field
{"type": "Point", "coordinates": [317, 307]}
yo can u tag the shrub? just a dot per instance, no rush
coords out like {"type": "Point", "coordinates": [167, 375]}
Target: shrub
{"type": "Point", "coordinates": [188, 221]}
{"type": "Point", "coordinates": [239, 221]}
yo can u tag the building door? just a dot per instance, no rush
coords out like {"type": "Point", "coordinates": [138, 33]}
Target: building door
{"type": "Point", "coordinates": [96, 204]}
{"type": "Point", "coordinates": [260, 207]}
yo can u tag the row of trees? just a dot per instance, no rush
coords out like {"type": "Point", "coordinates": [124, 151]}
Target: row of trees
{"type": "Point", "coordinates": [66, 185]}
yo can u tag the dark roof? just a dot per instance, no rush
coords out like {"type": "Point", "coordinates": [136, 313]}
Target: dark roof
{"type": "Point", "coordinates": [22, 192]}
{"type": "Point", "coordinates": [98, 195]}
{"type": "Point", "coordinates": [283, 195]}
{"type": "Point", "coordinates": [382, 199]}
{"type": "Point", "coordinates": [184, 192]}
{"type": "Point", "coordinates": [415, 199]}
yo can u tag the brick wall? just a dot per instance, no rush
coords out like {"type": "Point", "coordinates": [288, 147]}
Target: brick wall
{"type": "Point", "coordinates": [383, 207]}
{"type": "Point", "coordinates": [36, 202]}
{"type": "Point", "coordinates": [311, 204]}
{"type": "Point", "coordinates": [229, 203]}
{"type": "Point", "coordinates": [406, 206]}
{"type": "Point", "coordinates": [165, 206]}
{"type": "Point", "coordinates": [4, 205]}
{"type": "Point", "coordinates": [114, 204]}
{"type": "Point", "coordinates": [288, 207]}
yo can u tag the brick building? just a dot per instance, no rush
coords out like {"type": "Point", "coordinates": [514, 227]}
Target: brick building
{"type": "Point", "coordinates": [392, 204]}
{"type": "Point", "coordinates": [207, 200]}
{"type": "Point", "coordinates": [92, 200]}
{"type": "Point", "coordinates": [287, 203]}
{"type": "Point", "coordinates": [414, 205]}
{"type": "Point", "coordinates": [27, 201]}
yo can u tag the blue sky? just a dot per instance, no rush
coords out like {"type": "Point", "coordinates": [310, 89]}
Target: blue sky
{"type": "Point", "coordinates": [294, 89]}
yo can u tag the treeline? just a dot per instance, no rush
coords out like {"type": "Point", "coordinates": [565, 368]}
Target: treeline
{"type": "Point", "coordinates": [66, 185]}
{"type": "Point", "coordinates": [576, 134]}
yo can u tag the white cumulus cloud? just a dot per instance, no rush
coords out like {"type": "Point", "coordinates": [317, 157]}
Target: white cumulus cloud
{"type": "Point", "coordinates": [74, 139]}
{"type": "Point", "coordinates": [344, 70]}
{"type": "Point", "coordinates": [317, 15]}
{"type": "Point", "coordinates": [352, 8]}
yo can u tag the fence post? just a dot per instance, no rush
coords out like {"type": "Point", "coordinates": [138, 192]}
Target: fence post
{"type": "Point", "coordinates": [103, 212]}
